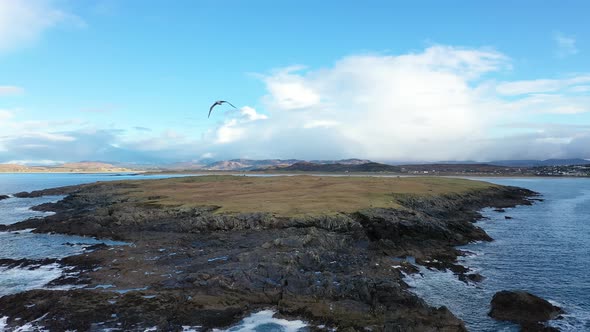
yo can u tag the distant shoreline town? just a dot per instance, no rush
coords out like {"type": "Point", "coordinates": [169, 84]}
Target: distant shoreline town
{"type": "Point", "coordinates": [551, 167]}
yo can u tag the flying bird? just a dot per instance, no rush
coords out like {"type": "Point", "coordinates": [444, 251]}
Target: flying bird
{"type": "Point", "coordinates": [217, 103]}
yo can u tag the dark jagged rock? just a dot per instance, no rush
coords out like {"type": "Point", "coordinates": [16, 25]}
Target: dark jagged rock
{"type": "Point", "coordinates": [508, 217]}
{"type": "Point", "coordinates": [525, 309]}
{"type": "Point", "coordinates": [210, 269]}
{"type": "Point", "coordinates": [4, 197]}
{"type": "Point", "coordinates": [471, 277]}
{"type": "Point", "coordinates": [25, 263]}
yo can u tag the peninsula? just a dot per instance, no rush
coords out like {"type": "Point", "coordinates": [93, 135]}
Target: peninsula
{"type": "Point", "coordinates": [206, 251]}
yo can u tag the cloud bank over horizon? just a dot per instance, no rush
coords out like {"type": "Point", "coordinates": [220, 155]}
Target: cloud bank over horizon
{"type": "Point", "coordinates": [441, 103]}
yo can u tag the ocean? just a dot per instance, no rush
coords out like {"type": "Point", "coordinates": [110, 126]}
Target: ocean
{"type": "Point", "coordinates": [544, 249]}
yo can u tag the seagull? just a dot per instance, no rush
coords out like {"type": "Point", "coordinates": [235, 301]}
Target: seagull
{"type": "Point", "coordinates": [219, 102]}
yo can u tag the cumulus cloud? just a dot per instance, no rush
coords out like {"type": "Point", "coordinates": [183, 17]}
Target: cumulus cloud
{"type": "Point", "coordinates": [320, 124]}
{"type": "Point", "coordinates": [433, 105]}
{"type": "Point", "coordinates": [22, 22]}
{"type": "Point", "coordinates": [250, 114]}
{"type": "Point", "coordinates": [376, 106]}
{"type": "Point", "coordinates": [288, 91]}
{"type": "Point", "coordinates": [438, 104]}
{"type": "Point", "coordinates": [235, 128]}
{"type": "Point", "coordinates": [542, 85]}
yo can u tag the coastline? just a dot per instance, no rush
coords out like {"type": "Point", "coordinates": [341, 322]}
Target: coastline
{"type": "Point", "coordinates": [282, 261]}
{"type": "Point", "coordinates": [294, 173]}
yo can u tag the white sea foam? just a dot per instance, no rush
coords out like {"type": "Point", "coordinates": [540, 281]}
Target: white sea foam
{"type": "Point", "coordinates": [31, 326]}
{"type": "Point", "coordinates": [3, 323]}
{"type": "Point", "coordinates": [16, 209]}
{"type": "Point", "coordinates": [222, 258]}
{"type": "Point", "coordinates": [265, 317]}
{"type": "Point", "coordinates": [574, 319]}
{"type": "Point", "coordinates": [15, 280]}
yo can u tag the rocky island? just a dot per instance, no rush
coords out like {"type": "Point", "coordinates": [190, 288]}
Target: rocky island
{"type": "Point", "coordinates": [206, 251]}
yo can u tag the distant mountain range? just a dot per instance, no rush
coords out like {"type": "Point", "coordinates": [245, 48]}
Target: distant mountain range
{"type": "Point", "coordinates": [252, 164]}
{"type": "Point", "coordinates": [535, 163]}
{"type": "Point", "coordinates": [345, 165]}
{"type": "Point", "coordinates": [79, 167]}
{"type": "Point", "coordinates": [334, 167]}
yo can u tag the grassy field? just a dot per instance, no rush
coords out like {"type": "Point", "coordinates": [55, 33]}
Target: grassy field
{"type": "Point", "coordinates": [292, 195]}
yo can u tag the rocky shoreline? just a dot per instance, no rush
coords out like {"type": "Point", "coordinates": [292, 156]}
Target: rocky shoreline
{"type": "Point", "coordinates": [197, 267]}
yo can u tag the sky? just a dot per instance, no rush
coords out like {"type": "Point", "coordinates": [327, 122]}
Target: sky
{"type": "Point", "coordinates": [132, 81]}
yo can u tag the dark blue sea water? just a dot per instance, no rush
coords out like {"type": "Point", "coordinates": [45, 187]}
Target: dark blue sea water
{"type": "Point", "coordinates": [544, 249]}
{"type": "Point", "coordinates": [25, 244]}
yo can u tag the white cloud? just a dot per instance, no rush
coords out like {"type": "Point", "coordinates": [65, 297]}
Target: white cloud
{"type": "Point", "coordinates": [288, 91]}
{"type": "Point", "coordinates": [433, 105]}
{"type": "Point", "coordinates": [8, 90]}
{"type": "Point", "coordinates": [23, 21]}
{"type": "Point", "coordinates": [42, 162]}
{"type": "Point", "coordinates": [320, 124]}
{"type": "Point", "coordinates": [439, 104]}
{"type": "Point", "coordinates": [566, 45]}
{"type": "Point", "coordinates": [580, 88]}
{"type": "Point", "coordinates": [541, 85]}
{"type": "Point", "coordinates": [251, 115]}
{"type": "Point", "coordinates": [5, 115]}
{"type": "Point", "coordinates": [550, 104]}
{"type": "Point", "coordinates": [375, 106]}
{"type": "Point", "coordinates": [229, 132]}
{"type": "Point", "coordinates": [207, 155]}
{"type": "Point", "coordinates": [233, 129]}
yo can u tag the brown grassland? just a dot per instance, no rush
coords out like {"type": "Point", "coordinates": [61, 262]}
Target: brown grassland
{"type": "Point", "coordinates": [292, 195]}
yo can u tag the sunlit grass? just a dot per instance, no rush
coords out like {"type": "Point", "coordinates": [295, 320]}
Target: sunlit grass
{"type": "Point", "coordinates": [292, 195]}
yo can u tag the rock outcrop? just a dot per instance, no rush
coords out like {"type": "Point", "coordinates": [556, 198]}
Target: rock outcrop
{"type": "Point", "coordinates": [194, 266]}
{"type": "Point", "coordinates": [524, 308]}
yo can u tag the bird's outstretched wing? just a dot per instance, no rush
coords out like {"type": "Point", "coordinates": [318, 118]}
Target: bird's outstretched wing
{"type": "Point", "coordinates": [223, 101]}
{"type": "Point", "coordinates": [211, 109]}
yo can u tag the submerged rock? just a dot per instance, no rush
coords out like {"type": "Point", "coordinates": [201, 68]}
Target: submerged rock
{"type": "Point", "coordinates": [471, 277]}
{"type": "Point", "coordinates": [524, 308]}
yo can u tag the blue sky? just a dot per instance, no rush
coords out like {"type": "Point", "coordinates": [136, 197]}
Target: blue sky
{"type": "Point", "coordinates": [427, 80]}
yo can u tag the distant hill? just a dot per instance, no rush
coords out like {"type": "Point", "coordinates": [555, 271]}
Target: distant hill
{"type": "Point", "coordinates": [247, 164]}
{"type": "Point", "coordinates": [12, 168]}
{"type": "Point", "coordinates": [342, 161]}
{"type": "Point", "coordinates": [305, 166]}
{"type": "Point", "coordinates": [251, 164]}
{"type": "Point", "coordinates": [535, 163]}
{"type": "Point", "coordinates": [458, 169]}
{"type": "Point", "coordinates": [183, 166]}
{"type": "Point", "coordinates": [80, 167]}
